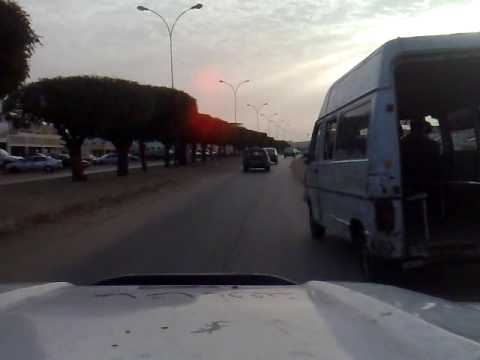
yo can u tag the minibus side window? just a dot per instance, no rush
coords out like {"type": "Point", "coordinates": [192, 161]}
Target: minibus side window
{"type": "Point", "coordinates": [330, 138]}
{"type": "Point", "coordinates": [318, 141]}
{"type": "Point", "coordinates": [352, 134]}
{"type": "Point", "coordinates": [312, 151]}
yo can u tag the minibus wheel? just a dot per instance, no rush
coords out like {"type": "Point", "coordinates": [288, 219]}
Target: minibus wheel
{"type": "Point", "coordinates": [317, 230]}
{"type": "Point", "coordinates": [380, 270]}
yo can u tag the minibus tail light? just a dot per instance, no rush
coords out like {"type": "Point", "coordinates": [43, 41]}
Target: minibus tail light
{"type": "Point", "coordinates": [385, 215]}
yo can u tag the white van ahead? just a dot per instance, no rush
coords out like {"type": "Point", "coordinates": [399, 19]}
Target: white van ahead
{"type": "Point", "coordinates": [394, 159]}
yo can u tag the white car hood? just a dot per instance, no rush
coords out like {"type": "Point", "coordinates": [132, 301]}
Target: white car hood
{"type": "Point", "coordinates": [317, 320]}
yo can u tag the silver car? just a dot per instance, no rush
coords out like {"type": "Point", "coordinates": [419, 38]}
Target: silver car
{"type": "Point", "coordinates": [35, 162]}
{"type": "Point", "coordinates": [6, 158]}
{"type": "Point", "coordinates": [112, 159]}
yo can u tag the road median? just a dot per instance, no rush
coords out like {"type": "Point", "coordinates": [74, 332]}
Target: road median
{"type": "Point", "coordinates": [25, 205]}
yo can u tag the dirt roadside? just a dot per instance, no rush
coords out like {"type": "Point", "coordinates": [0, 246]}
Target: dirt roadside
{"type": "Point", "coordinates": [26, 205]}
{"type": "Point", "coordinates": [51, 249]}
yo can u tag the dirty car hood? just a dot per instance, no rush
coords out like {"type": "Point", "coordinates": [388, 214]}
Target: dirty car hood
{"type": "Point", "coordinates": [317, 320]}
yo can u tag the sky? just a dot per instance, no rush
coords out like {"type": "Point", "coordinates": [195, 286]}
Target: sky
{"type": "Point", "coordinates": [291, 50]}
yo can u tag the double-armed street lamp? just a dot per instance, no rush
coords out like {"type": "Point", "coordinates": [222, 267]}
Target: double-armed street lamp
{"type": "Point", "coordinates": [257, 110]}
{"type": "Point", "coordinates": [170, 28]}
{"type": "Point", "coordinates": [279, 126]}
{"type": "Point", "coordinates": [235, 92]}
{"type": "Point", "coordinates": [269, 120]}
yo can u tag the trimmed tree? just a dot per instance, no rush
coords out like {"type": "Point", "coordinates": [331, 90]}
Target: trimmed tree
{"type": "Point", "coordinates": [126, 115]}
{"type": "Point", "coordinates": [17, 43]}
{"type": "Point", "coordinates": [201, 130]}
{"type": "Point", "coordinates": [173, 110]}
{"type": "Point", "coordinates": [74, 105]}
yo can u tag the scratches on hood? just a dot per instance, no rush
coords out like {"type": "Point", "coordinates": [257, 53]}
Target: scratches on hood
{"type": "Point", "coordinates": [161, 294]}
{"type": "Point", "coordinates": [211, 327]}
{"type": "Point", "coordinates": [131, 296]}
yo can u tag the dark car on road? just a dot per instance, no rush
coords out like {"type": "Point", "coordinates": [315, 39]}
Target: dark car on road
{"type": "Point", "coordinates": [272, 154]}
{"type": "Point", "coordinates": [289, 152]}
{"type": "Point", "coordinates": [255, 158]}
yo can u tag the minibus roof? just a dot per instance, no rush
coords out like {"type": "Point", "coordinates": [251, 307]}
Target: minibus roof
{"type": "Point", "coordinates": [375, 72]}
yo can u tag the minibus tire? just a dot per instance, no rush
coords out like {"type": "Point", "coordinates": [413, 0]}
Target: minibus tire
{"type": "Point", "coordinates": [380, 270]}
{"type": "Point", "coordinates": [317, 230]}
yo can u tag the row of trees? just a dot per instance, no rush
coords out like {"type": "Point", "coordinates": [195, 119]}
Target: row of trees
{"type": "Point", "coordinates": [122, 111]}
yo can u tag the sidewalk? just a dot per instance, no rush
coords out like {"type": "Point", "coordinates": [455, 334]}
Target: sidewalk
{"type": "Point", "coordinates": [7, 179]}
{"type": "Point", "coordinates": [27, 204]}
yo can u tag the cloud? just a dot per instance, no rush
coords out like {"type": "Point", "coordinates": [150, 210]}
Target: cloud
{"type": "Point", "coordinates": [290, 50]}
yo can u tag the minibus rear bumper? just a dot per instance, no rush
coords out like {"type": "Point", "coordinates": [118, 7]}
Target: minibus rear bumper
{"type": "Point", "coordinates": [435, 253]}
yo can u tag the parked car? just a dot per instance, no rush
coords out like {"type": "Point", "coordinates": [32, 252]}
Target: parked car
{"type": "Point", "coordinates": [133, 158]}
{"type": "Point", "coordinates": [6, 158]}
{"type": "Point", "coordinates": [85, 163]}
{"type": "Point", "coordinates": [91, 158]}
{"type": "Point", "coordinates": [272, 154]}
{"type": "Point", "coordinates": [64, 158]}
{"type": "Point", "coordinates": [107, 159]}
{"type": "Point", "coordinates": [254, 158]}
{"type": "Point", "coordinates": [35, 162]}
{"type": "Point", "coordinates": [112, 159]}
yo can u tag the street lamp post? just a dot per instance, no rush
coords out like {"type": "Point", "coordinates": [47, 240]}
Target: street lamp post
{"type": "Point", "coordinates": [257, 110]}
{"type": "Point", "coordinates": [170, 28]}
{"type": "Point", "coordinates": [285, 130]}
{"type": "Point", "coordinates": [279, 125]}
{"type": "Point", "coordinates": [235, 91]}
{"type": "Point", "coordinates": [269, 121]}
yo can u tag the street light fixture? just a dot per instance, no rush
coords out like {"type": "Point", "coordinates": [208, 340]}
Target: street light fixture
{"type": "Point", "coordinates": [257, 110]}
{"type": "Point", "coordinates": [235, 91]}
{"type": "Point", "coordinates": [170, 28]}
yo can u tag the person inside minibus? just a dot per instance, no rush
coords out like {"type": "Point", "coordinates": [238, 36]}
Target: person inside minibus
{"type": "Point", "coordinates": [420, 158]}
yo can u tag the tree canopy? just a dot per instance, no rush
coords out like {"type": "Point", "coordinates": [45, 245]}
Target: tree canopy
{"type": "Point", "coordinates": [122, 111]}
{"type": "Point", "coordinates": [17, 43]}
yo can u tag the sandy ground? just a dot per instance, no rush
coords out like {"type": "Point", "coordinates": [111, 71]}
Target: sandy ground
{"type": "Point", "coordinates": [27, 204]}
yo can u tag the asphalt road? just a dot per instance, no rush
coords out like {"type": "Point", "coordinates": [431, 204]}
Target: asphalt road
{"type": "Point", "coordinates": [228, 221]}
{"type": "Point", "coordinates": [236, 222]}
{"type": "Point", "coordinates": [32, 176]}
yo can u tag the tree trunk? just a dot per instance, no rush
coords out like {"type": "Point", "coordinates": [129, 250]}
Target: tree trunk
{"type": "Point", "coordinates": [204, 152]}
{"type": "Point", "coordinates": [194, 152]}
{"type": "Point", "coordinates": [180, 153]}
{"type": "Point", "coordinates": [142, 156]}
{"type": "Point", "coordinates": [75, 152]}
{"type": "Point", "coordinates": [122, 151]}
{"type": "Point", "coordinates": [167, 155]}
